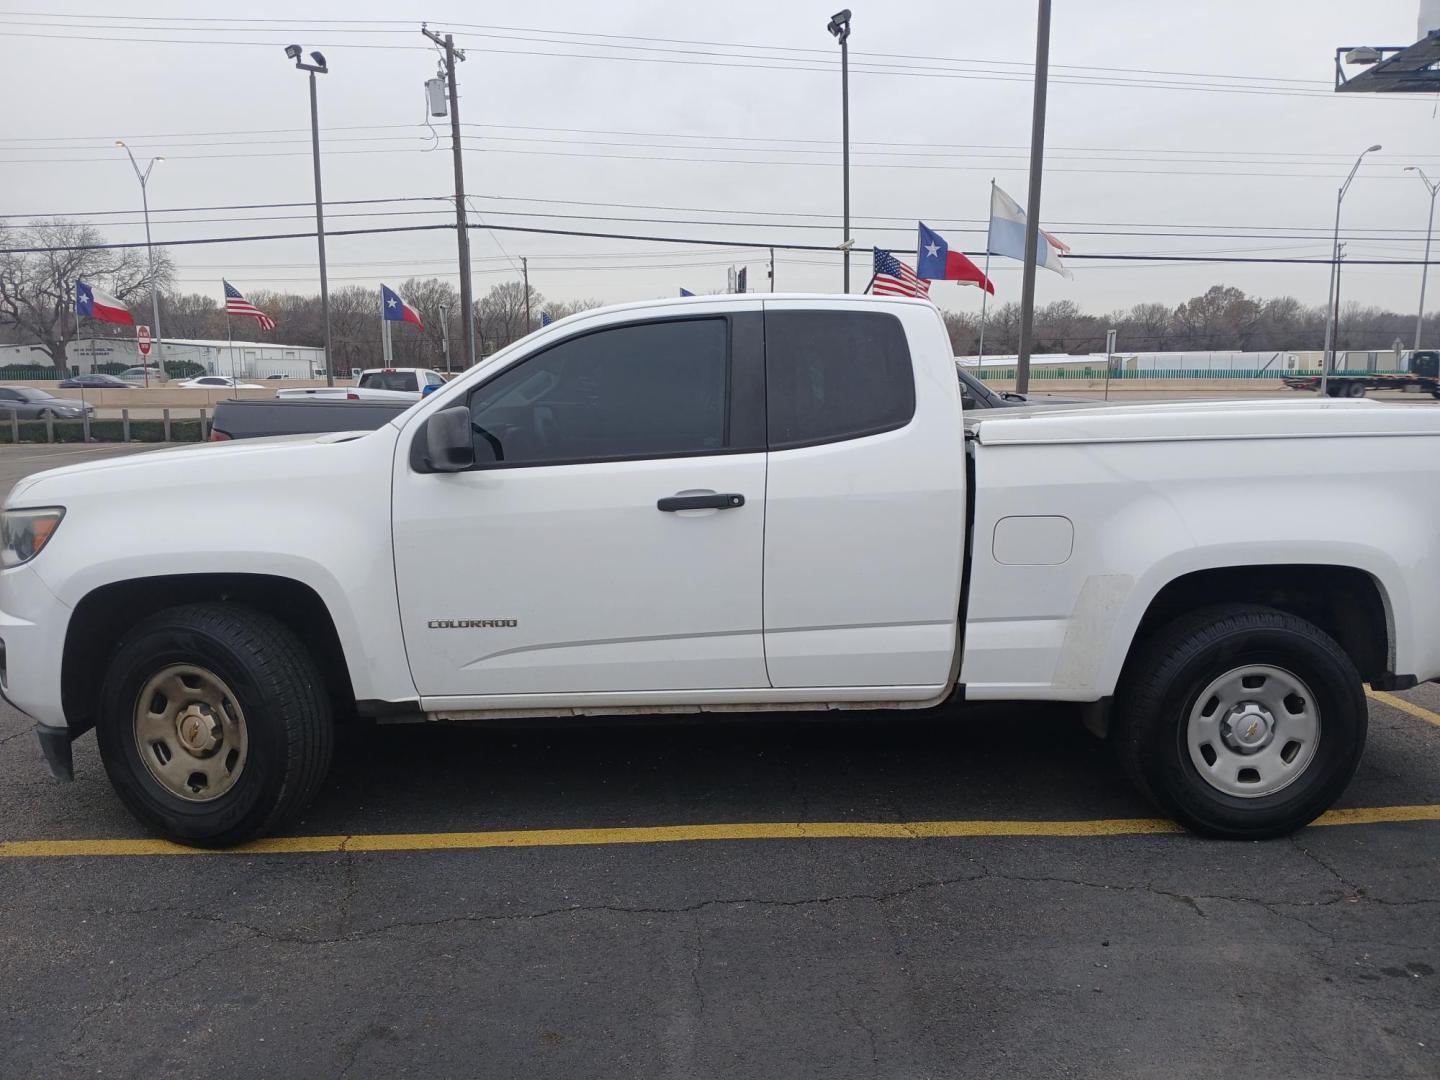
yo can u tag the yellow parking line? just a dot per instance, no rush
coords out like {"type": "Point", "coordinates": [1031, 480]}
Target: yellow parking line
{"type": "Point", "coordinates": [1404, 706]}
{"type": "Point", "coordinates": [673, 834]}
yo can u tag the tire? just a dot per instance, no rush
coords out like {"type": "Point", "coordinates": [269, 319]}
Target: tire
{"type": "Point", "coordinates": [1164, 735]}
{"type": "Point", "coordinates": [1334, 390]}
{"type": "Point", "coordinates": [1355, 390]}
{"type": "Point", "coordinates": [248, 693]}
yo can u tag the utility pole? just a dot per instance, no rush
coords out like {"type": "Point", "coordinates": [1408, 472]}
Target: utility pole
{"type": "Point", "coordinates": [839, 26]}
{"type": "Point", "coordinates": [772, 269]}
{"type": "Point", "coordinates": [462, 224]}
{"type": "Point", "coordinates": [525, 274]}
{"type": "Point", "coordinates": [1032, 207]}
{"type": "Point", "coordinates": [1433, 189]}
{"type": "Point", "coordinates": [317, 66]}
{"type": "Point", "coordinates": [144, 179]}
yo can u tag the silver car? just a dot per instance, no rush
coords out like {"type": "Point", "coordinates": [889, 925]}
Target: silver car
{"type": "Point", "coordinates": [31, 404]}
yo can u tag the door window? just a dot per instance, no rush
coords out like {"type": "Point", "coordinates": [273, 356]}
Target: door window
{"type": "Point", "coordinates": [646, 390]}
{"type": "Point", "coordinates": [833, 375]}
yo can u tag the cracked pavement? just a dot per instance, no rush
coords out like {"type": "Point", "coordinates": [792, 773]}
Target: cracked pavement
{"type": "Point", "coordinates": [1108, 956]}
{"type": "Point", "coordinates": [1138, 955]}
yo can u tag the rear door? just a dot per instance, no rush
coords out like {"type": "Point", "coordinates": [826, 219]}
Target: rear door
{"type": "Point", "coordinates": [865, 504]}
{"type": "Point", "coordinates": [610, 538]}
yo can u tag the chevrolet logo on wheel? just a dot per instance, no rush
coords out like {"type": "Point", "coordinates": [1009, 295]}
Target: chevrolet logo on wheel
{"type": "Point", "coordinates": [472, 624]}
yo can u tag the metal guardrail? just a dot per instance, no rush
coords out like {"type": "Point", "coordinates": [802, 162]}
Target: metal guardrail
{"type": "Point", "coordinates": [10, 419]}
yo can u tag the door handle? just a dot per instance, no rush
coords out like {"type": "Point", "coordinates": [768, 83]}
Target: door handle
{"type": "Point", "coordinates": [671, 503]}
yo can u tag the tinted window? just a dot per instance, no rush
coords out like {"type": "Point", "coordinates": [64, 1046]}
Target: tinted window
{"type": "Point", "coordinates": [648, 390]}
{"type": "Point", "coordinates": [389, 380]}
{"type": "Point", "coordinates": [9, 395]}
{"type": "Point", "coordinates": [833, 375]}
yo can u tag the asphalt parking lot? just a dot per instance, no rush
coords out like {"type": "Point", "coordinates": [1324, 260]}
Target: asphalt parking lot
{"type": "Point", "coordinates": [971, 893]}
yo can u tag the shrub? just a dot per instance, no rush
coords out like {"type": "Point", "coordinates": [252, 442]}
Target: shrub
{"type": "Point", "coordinates": [73, 431]}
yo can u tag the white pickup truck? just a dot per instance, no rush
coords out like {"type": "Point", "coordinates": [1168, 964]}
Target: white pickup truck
{"type": "Point", "coordinates": [733, 503]}
{"type": "Point", "coordinates": [377, 384]}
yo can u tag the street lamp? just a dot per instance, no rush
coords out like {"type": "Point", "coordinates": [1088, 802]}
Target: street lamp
{"type": "Point", "coordinates": [318, 68]}
{"type": "Point", "coordinates": [1425, 266]}
{"type": "Point", "coordinates": [1333, 304]}
{"type": "Point", "coordinates": [839, 26]}
{"type": "Point", "coordinates": [144, 178]}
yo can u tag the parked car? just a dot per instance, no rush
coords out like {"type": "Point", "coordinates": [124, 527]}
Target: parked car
{"type": "Point", "coordinates": [31, 404]}
{"type": "Point", "coordinates": [150, 375]}
{"type": "Point", "coordinates": [216, 382]}
{"type": "Point", "coordinates": [378, 384]}
{"type": "Point", "coordinates": [263, 419]}
{"type": "Point", "coordinates": [733, 503]}
{"type": "Point", "coordinates": [95, 381]}
{"type": "Point", "coordinates": [974, 394]}
{"type": "Point", "coordinates": [274, 376]}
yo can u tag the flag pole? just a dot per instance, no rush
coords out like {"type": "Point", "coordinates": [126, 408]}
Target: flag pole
{"type": "Point", "coordinates": [229, 336]}
{"type": "Point", "coordinates": [984, 292]}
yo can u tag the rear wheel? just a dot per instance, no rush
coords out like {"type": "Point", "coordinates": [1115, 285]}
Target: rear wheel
{"type": "Point", "coordinates": [214, 724]}
{"type": "Point", "coordinates": [1355, 389]}
{"type": "Point", "coordinates": [1241, 721]}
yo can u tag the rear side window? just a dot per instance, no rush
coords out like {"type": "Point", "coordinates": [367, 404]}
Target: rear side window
{"type": "Point", "coordinates": [389, 380]}
{"type": "Point", "coordinates": [833, 375]}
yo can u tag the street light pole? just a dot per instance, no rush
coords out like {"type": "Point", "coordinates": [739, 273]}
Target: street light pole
{"type": "Point", "coordinates": [144, 179]}
{"type": "Point", "coordinates": [1333, 315]}
{"type": "Point", "coordinates": [840, 27]}
{"type": "Point", "coordinates": [1425, 266]}
{"type": "Point", "coordinates": [318, 68]}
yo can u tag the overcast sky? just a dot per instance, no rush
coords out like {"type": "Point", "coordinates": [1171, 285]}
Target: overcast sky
{"type": "Point", "coordinates": [728, 117]}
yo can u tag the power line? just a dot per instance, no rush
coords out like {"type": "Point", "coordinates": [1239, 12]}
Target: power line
{"type": "Point", "coordinates": [1114, 257]}
{"type": "Point", "coordinates": [813, 66]}
{"type": "Point", "coordinates": [559, 36]}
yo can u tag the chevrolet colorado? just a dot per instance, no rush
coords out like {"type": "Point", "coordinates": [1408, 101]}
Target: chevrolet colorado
{"type": "Point", "coordinates": [732, 503]}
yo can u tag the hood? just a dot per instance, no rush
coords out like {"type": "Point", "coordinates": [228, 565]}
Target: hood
{"type": "Point", "coordinates": [194, 458]}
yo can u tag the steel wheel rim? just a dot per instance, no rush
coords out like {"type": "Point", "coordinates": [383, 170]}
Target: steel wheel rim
{"type": "Point", "coordinates": [190, 732]}
{"type": "Point", "coordinates": [1253, 731]}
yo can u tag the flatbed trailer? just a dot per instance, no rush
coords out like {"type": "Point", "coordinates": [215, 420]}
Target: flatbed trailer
{"type": "Point", "coordinates": [1421, 375]}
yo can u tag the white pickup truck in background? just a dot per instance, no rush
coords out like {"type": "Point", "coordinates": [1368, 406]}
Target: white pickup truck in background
{"type": "Point", "coordinates": [733, 503]}
{"type": "Point", "coordinates": [377, 384]}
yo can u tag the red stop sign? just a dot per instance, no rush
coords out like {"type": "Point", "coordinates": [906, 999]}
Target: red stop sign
{"type": "Point", "coordinates": [142, 339]}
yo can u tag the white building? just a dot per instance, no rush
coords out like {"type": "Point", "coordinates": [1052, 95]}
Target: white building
{"type": "Point", "coordinates": [248, 359]}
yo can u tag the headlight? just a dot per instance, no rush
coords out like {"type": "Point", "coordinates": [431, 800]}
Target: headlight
{"type": "Point", "coordinates": [24, 533]}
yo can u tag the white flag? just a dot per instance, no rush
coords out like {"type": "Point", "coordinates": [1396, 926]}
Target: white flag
{"type": "Point", "coordinates": [1007, 235]}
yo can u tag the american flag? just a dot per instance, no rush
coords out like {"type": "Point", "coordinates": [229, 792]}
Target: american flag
{"type": "Point", "coordinates": [235, 304]}
{"type": "Point", "coordinates": [894, 278]}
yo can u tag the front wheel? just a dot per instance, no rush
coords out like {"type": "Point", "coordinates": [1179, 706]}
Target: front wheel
{"type": "Point", "coordinates": [1355, 390]}
{"type": "Point", "coordinates": [1241, 721]}
{"type": "Point", "coordinates": [214, 724]}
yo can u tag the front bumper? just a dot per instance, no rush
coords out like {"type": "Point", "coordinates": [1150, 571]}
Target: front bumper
{"type": "Point", "coordinates": [33, 622]}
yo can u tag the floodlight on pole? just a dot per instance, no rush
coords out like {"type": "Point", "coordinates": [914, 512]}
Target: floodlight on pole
{"type": "Point", "coordinates": [1431, 187]}
{"type": "Point", "coordinates": [144, 179]}
{"type": "Point", "coordinates": [318, 67]}
{"type": "Point", "coordinates": [1333, 300]}
{"type": "Point", "coordinates": [839, 27]}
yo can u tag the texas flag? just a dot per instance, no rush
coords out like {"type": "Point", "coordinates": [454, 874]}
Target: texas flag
{"type": "Point", "coordinates": [396, 309]}
{"type": "Point", "coordinates": [938, 263]}
{"type": "Point", "coordinates": [94, 304]}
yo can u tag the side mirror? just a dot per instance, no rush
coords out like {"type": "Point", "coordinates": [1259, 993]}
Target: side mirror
{"type": "Point", "coordinates": [448, 442]}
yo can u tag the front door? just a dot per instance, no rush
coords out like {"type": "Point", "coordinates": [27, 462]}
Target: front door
{"type": "Point", "coordinates": [560, 563]}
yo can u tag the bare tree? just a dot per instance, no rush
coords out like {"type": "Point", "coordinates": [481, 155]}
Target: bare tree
{"type": "Point", "coordinates": [37, 287]}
